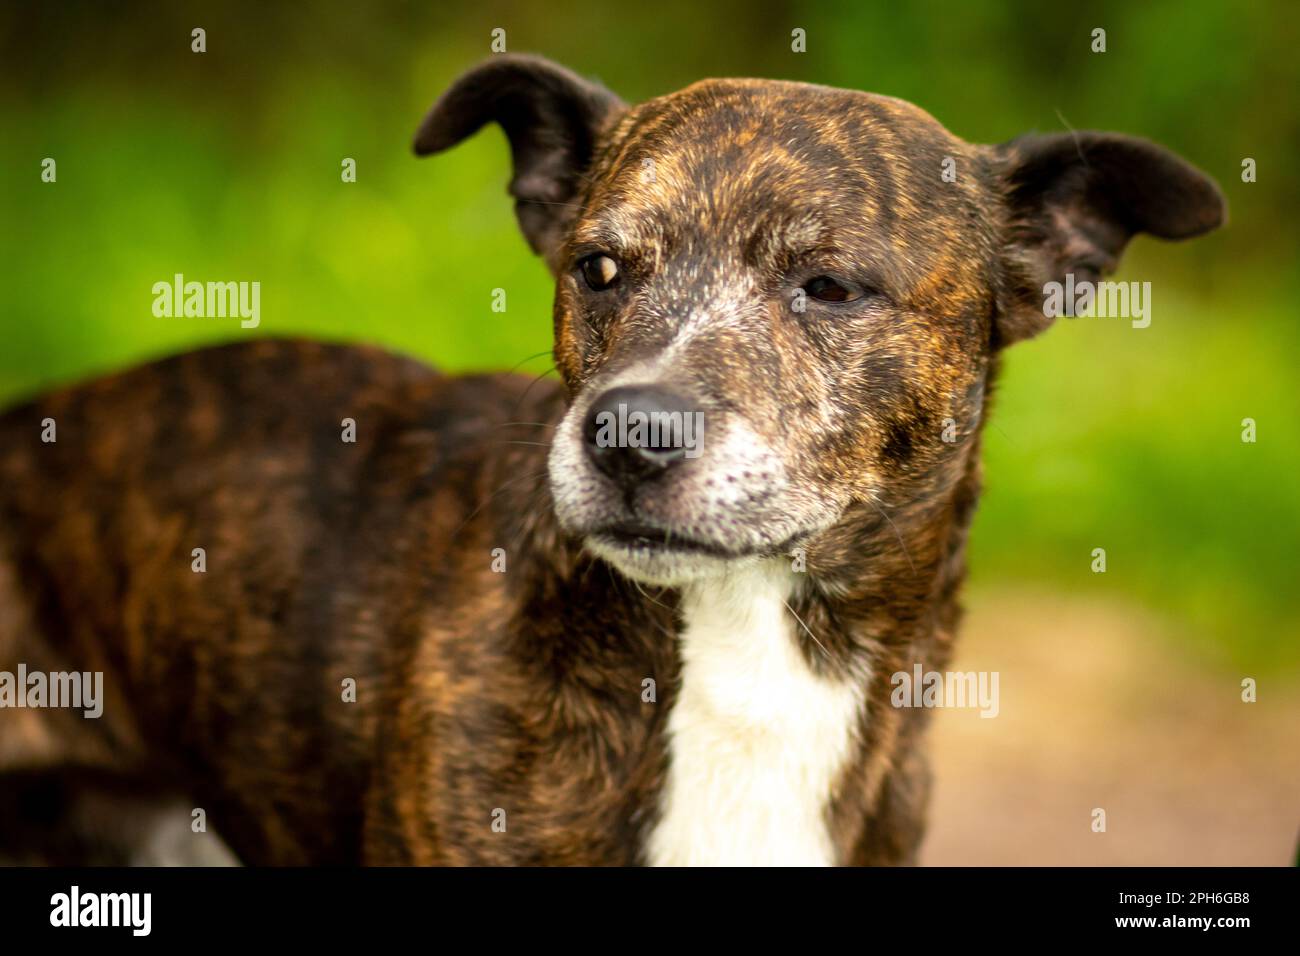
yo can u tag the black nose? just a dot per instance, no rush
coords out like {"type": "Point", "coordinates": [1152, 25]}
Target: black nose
{"type": "Point", "coordinates": [629, 454]}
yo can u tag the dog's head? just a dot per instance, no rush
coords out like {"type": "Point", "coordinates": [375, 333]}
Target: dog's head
{"type": "Point", "coordinates": [777, 301]}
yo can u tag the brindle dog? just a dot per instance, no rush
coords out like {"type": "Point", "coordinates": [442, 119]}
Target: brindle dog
{"type": "Point", "coordinates": [566, 652]}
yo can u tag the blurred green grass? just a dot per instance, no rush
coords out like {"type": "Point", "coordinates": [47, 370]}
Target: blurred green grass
{"type": "Point", "coordinates": [226, 165]}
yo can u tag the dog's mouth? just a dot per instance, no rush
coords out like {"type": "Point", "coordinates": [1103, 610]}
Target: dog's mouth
{"type": "Point", "coordinates": [645, 538]}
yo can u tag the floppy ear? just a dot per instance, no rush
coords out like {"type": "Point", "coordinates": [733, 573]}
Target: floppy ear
{"type": "Point", "coordinates": [1073, 202]}
{"type": "Point", "coordinates": [551, 117]}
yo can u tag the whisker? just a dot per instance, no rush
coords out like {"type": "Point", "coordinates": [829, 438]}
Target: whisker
{"type": "Point", "coordinates": [592, 561]}
{"type": "Point", "coordinates": [637, 585]}
{"type": "Point", "coordinates": [484, 503]}
{"type": "Point", "coordinates": [806, 628]}
{"type": "Point", "coordinates": [901, 543]}
{"type": "Point", "coordinates": [524, 361]}
{"type": "Point", "coordinates": [524, 397]}
{"type": "Point", "coordinates": [1003, 433]}
{"type": "Point", "coordinates": [554, 202]}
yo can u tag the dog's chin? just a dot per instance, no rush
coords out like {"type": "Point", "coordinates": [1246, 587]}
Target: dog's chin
{"type": "Point", "coordinates": [664, 564]}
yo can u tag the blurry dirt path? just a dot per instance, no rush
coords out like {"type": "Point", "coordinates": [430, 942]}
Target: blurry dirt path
{"type": "Point", "coordinates": [1097, 711]}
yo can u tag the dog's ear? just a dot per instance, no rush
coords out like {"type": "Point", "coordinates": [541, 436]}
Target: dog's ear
{"type": "Point", "coordinates": [552, 118]}
{"type": "Point", "coordinates": [1073, 202]}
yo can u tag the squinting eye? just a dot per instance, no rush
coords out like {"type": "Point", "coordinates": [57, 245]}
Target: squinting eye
{"type": "Point", "coordinates": [826, 289]}
{"type": "Point", "coordinates": [600, 272]}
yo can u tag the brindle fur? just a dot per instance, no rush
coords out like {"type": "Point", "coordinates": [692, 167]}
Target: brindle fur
{"type": "Point", "coordinates": [523, 690]}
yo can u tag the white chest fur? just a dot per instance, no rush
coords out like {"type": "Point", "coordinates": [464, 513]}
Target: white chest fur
{"type": "Point", "coordinates": [757, 741]}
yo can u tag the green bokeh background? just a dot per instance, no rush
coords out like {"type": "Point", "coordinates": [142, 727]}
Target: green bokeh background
{"type": "Point", "coordinates": [226, 165]}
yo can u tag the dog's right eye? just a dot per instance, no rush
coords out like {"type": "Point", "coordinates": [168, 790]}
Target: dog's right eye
{"type": "Point", "coordinates": [827, 289]}
{"type": "Point", "coordinates": [600, 272]}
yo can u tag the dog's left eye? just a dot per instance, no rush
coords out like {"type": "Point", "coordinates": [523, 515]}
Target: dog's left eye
{"type": "Point", "coordinates": [826, 289]}
{"type": "Point", "coordinates": [599, 271]}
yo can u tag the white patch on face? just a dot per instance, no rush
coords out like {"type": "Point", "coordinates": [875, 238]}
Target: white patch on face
{"type": "Point", "coordinates": [727, 302]}
{"type": "Point", "coordinates": [574, 482]}
{"type": "Point", "coordinates": [757, 741]}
